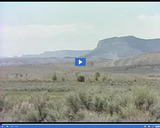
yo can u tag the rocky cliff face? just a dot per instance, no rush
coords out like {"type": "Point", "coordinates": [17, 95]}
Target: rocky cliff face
{"type": "Point", "coordinates": [122, 47]}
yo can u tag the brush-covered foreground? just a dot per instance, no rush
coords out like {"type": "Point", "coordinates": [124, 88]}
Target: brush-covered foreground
{"type": "Point", "coordinates": [97, 102]}
{"type": "Point", "coordinates": [61, 97]}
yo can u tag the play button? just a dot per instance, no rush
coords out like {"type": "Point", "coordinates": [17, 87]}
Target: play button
{"type": "Point", "coordinates": [80, 61]}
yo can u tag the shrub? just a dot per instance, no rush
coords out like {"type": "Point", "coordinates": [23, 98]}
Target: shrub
{"type": "Point", "coordinates": [54, 77]}
{"type": "Point", "coordinates": [32, 109]}
{"type": "Point", "coordinates": [40, 105]}
{"type": "Point", "coordinates": [2, 100]}
{"type": "Point", "coordinates": [97, 75]}
{"type": "Point", "coordinates": [55, 111]}
{"type": "Point", "coordinates": [104, 78]}
{"type": "Point", "coordinates": [93, 103]}
{"type": "Point", "coordinates": [73, 103]}
{"type": "Point", "coordinates": [76, 102]}
{"type": "Point", "coordinates": [144, 98]}
{"type": "Point", "coordinates": [81, 79]}
{"type": "Point", "coordinates": [100, 102]}
{"type": "Point", "coordinates": [85, 100]}
{"type": "Point", "coordinates": [92, 116]}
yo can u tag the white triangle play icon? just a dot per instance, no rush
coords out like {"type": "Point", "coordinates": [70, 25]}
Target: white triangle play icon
{"type": "Point", "coordinates": [80, 61]}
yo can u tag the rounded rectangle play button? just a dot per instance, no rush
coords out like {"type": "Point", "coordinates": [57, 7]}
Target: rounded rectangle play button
{"type": "Point", "coordinates": [80, 61]}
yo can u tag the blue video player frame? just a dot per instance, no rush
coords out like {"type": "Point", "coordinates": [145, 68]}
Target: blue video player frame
{"type": "Point", "coordinates": [80, 125]}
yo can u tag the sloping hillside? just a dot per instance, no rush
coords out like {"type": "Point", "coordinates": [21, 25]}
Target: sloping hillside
{"type": "Point", "coordinates": [147, 59]}
{"type": "Point", "coordinates": [121, 47]}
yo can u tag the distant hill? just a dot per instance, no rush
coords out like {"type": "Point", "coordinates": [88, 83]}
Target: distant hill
{"type": "Point", "coordinates": [146, 59]}
{"type": "Point", "coordinates": [59, 54]}
{"type": "Point", "coordinates": [1, 57]}
{"type": "Point", "coordinates": [33, 61]}
{"type": "Point", "coordinates": [122, 47]}
{"type": "Point", "coordinates": [109, 48]}
{"type": "Point", "coordinates": [115, 51]}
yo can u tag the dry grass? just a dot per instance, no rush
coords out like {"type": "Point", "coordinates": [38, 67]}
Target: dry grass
{"type": "Point", "coordinates": [66, 99]}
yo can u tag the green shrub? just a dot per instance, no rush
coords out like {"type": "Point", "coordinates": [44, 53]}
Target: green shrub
{"type": "Point", "coordinates": [97, 75]}
{"type": "Point", "coordinates": [54, 77]}
{"type": "Point", "coordinates": [55, 111]}
{"type": "Point", "coordinates": [104, 78]}
{"type": "Point", "coordinates": [144, 98]}
{"type": "Point", "coordinates": [76, 102]}
{"type": "Point", "coordinates": [81, 79]}
{"type": "Point", "coordinates": [100, 102]}
{"type": "Point", "coordinates": [85, 100]}
{"type": "Point", "coordinates": [73, 103]}
{"type": "Point", "coordinates": [32, 116]}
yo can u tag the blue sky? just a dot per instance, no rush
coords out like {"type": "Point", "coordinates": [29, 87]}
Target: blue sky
{"type": "Point", "coordinates": [32, 27]}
